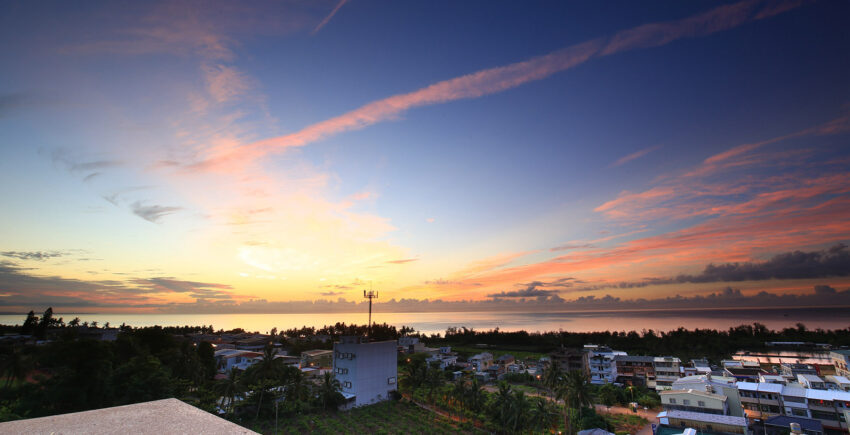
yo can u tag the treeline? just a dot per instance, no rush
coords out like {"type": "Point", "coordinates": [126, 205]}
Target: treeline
{"type": "Point", "coordinates": [73, 373]}
{"type": "Point", "coordinates": [683, 343]}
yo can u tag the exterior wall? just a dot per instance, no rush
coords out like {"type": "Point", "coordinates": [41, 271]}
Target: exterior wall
{"type": "Point", "coordinates": [666, 372]}
{"type": "Point", "coordinates": [695, 402]}
{"type": "Point", "coordinates": [705, 426]}
{"type": "Point", "coordinates": [841, 361]}
{"type": "Point", "coordinates": [367, 370]}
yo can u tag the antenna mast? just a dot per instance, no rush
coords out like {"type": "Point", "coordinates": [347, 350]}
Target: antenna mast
{"type": "Point", "coordinates": [370, 295]}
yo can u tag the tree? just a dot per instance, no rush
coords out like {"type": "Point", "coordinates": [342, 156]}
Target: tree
{"type": "Point", "coordinates": [206, 354]}
{"type": "Point", "coordinates": [608, 395]}
{"type": "Point", "coordinates": [329, 392]}
{"type": "Point", "coordinates": [14, 366]}
{"type": "Point", "coordinates": [262, 373]}
{"type": "Point", "coordinates": [476, 396]}
{"type": "Point", "coordinates": [574, 390]}
{"type": "Point", "coordinates": [30, 324]}
{"type": "Point", "coordinates": [543, 415]}
{"type": "Point", "coordinates": [552, 377]}
{"type": "Point", "coordinates": [228, 388]}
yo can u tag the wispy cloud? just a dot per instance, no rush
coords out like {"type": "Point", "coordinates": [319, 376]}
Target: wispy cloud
{"type": "Point", "coordinates": [32, 255]}
{"type": "Point", "coordinates": [152, 213]}
{"type": "Point", "coordinates": [499, 79]}
{"type": "Point", "coordinates": [402, 261]}
{"type": "Point", "coordinates": [635, 155]}
{"type": "Point", "coordinates": [327, 19]}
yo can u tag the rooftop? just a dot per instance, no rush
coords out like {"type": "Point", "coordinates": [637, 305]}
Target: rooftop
{"type": "Point", "coordinates": [701, 416]}
{"type": "Point", "coordinates": [155, 418]}
{"type": "Point", "coordinates": [805, 423]}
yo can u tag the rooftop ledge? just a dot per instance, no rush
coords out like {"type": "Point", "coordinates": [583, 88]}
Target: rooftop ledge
{"type": "Point", "coordinates": [158, 417]}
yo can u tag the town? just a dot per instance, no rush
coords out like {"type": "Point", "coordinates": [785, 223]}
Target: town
{"type": "Point", "coordinates": [271, 380]}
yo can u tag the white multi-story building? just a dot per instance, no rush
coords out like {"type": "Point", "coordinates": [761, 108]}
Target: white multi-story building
{"type": "Point", "coordinates": [666, 371]}
{"type": "Point", "coordinates": [830, 407]}
{"type": "Point", "coordinates": [367, 371]}
{"type": "Point", "coordinates": [601, 365]}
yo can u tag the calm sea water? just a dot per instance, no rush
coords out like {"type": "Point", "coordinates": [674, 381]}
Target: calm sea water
{"type": "Point", "coordinates": [826, 318]}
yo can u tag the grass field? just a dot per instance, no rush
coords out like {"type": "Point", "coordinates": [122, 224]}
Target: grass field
{"type": "Point", "coordinates": [496, 352]}
{"type": "Point", "coordinates": [388, 417]}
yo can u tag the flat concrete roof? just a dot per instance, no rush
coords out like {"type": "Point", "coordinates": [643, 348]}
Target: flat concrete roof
{"type": "Point", "coordinates": [168, 416]}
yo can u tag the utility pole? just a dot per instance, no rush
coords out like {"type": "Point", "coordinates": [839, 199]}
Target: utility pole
{"type": "Point", "coordinates": [370, 295]}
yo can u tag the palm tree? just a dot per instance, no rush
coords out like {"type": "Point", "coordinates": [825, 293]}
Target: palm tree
{"type": "Point", "coordinates": [543, 414]}
{"type": "Point", "coordinates": [575, 391]}
{"type": "Point", "coordinates": [14, 366]}
{"type": "Point", "coordinates": [264, 372]}
{"type": "Point", "coordinates": [460, 394]}
{"type": "Point", "coordinates": [475, 396]}
{"type": "Point", "coordinates": [518, 411]}
{"type": "Point", "coordinates": [329, 392]}
{"type": "Point", "coordinates": [229, 388]}
{"type": "Point", "coordinates": [552, 376]}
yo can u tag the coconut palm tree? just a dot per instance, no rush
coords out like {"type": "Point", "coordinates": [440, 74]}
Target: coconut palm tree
{"type": "Point", "coordinates": [14, 366]}
{"type": "Point", "coordinates": [329, 392]}
{"type": "Point", "coordinates": [574, 390]}
{"type": "Point", "coordinates": [476, 396]}
{"type": "Point", "coordinates": [460, 393]}
{"type": "Point", "coordinates": [552, 377]}
{"type": "Point", "coordinates": [264, 374]}
{"type": "Point", "coordinates": [229, 388]}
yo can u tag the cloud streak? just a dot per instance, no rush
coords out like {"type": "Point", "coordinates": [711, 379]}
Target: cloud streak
{"type": "Point", "coordinates": [327, 19]}
{"type": "Point", "coordinates": [633, 156]}
{"type": "Point", "coordinates": [499, 79]}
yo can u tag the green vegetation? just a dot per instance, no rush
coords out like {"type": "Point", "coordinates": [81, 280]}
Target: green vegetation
{"type": "Point", "coordinates": [390, 417]}
{"type": "Point", "coordinates": [683, 343]}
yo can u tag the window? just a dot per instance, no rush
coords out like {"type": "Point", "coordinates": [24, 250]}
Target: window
{"type": "Point", "coordinates": [686, 402]}
{"type": "Point", "coordinates": [342, 370]}
{"type": "Point", "coordinates": [672, 400]}
{"type": "Point", "coordinates": [347, 384]}
{"type": "Point", "coordinates": [701, 404]}
{"type": "Point", "coordinates": [391, 380]}
{"type": "Point", "coordinates": [799, 412]}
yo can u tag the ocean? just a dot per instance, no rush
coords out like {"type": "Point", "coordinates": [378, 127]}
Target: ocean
{"type": "Point", "coordinates": [430, 323]}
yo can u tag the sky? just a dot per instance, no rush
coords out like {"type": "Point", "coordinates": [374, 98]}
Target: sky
{"type": "Point", "coordinates": [213, 157]}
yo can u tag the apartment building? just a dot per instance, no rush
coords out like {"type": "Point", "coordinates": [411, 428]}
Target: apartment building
{"type": "Point", "coordinates": [601, 366]}
{"type": "Point", "coordinates": [667, 371]}
{"type": "Point", "coordinates": [841, 361]}
{"type": "Point", "coordinates": [367, 371]}
{"type": "Point", "coordinates": [635, 370]}
{"type": "Point", "coordinates": [569, 359]}
{"type": "Point", "coordinates": [830, 407]}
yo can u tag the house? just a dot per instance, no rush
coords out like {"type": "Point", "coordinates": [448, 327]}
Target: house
{"type": "Point", "coordinates": [410, 345]}
{"type": "Point", "coordinates": [506, 359]}
{"type": "Point", "coordinates": [367, 371]}
{"type": "Point", "coordinates": [830, 407]}
{"type": "Point", "coordinates": [569, 359]}
{"type": "Point", "coordinates": [227, 359]}
{"type": "Point", "coordinates": [666, 371]}
{"type": "Point", "coordinates": [841, 361]}
{"type": "Point", "coordinates": [316, 358]}
{"type": "Point", "coordinates": [635, 370]}
{"type": "Point", "coordinates": [794, 369]}
{"type": "Point", "coordinates": [601, 366]}
{"type": "Point", "coordinates": [442, 360]}
{"type": "Point", "coordinates": [708, 423]}
{"type": "Point", "coordinates": [811, 381]}
{"type": "Point", "coordinates": [743, 374]}
{"type": "Point", "coordinates": [715, 385]}
{"type": "Point", "coordinates": [835, 382]}
{"type": "Point", "coordinates": [781, 424]}
{"type": "Point", "coordinates": [481, 361]}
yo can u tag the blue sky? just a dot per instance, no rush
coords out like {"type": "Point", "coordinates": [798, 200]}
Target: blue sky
{"type": "Point", "coordinates": [173, 142]}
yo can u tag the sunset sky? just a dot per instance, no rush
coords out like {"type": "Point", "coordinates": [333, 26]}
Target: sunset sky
{"type": "Point", "coordinates": [260, 156]}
